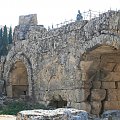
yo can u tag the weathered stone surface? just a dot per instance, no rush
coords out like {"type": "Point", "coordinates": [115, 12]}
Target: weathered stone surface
{"type": "Point", "coordinates": [87, 69]}
{"type": "Point", "coordinates": [113, 114]}
{"type": "Point", "coordinates": [108, 85]}
{"type": "Point", "coordinates": [98, 94]}
{"type": "Point", "coordinates": [71, 95]}
{"type": "Point", "coordinates": [2, 87]}
{"type": "Point", "coordinates": [96, 84]}
{"type": "Point", "coordinates": [111, 105]}
{"type": "Point", "coordinates": [83, 84]}
{"type": "Point", "coordinates": [65, 115]}
{"type": "Point", "coordinates": [112, 76]}
{"type": "Point", "coordinates": [81, 94]}
{"type": "Point", "coordinates": [96, 107]}
{"type": "Point", "coordinates": [28, 20]}
{"type": "Point", "coordinates": [118, 85]}
{"type": "Point", "coordinates": [113, 94]}
{"type": "Point", "coordinates": [57, 114]}
{"type": "Point", "coordinates": [117, 68]}
{"type": "Point", "coordinates": [109, 66]}
{"type": "Point", "coordinates": [82, 106]}
{"type": "Point", "coordinates": [85, 65]}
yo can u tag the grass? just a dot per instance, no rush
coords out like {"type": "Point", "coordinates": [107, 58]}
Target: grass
{"type": "Point", "coordinates": [14, 107]}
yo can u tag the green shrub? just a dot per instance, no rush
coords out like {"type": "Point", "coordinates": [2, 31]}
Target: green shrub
{"type": "Point", "coordinates": [14, 107]}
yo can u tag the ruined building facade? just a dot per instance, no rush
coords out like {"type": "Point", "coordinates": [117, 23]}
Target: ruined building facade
{"type": "Point", "coordinates": [76, 65]}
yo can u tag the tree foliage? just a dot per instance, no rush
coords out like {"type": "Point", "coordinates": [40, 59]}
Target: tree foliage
{"type": "Point", "coordinates": [10, 36]}
{"type": "Point", "coordinates": [5, 40]}
{"type": "Point", "coordinates": [0, 38]}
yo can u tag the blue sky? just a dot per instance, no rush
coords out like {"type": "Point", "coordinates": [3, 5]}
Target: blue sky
{"type": "Point", "coordinates": [50, 11]}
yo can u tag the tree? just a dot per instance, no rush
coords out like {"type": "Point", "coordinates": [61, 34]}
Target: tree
{"type": "Point", "coordinates": [1, 33]}
{"type": "Point", "coordinates": [0, 37]}
{"type": "Point", "coordinates": [10, 36]}
{"type": "Point", "coordinates": [0, 41]}
{"type": "Point", "coordinates": [4, 42]}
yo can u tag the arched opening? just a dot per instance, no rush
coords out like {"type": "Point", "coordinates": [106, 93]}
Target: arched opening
{"type": "Point", "coordinates": [101, 67]}
{"type": "Point", "coordinates": [18, 79]}
{"type": "Point", "coordinates": [57, 103]}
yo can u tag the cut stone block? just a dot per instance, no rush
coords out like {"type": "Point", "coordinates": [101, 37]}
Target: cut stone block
{"type": "Point", "coordinates": [81, 94]}
{"type": "Point", "coordinates": [112, 76]}
{"type": "Point", "coordinates": [111, 105]}
{"type": "Point", "coordinates": [98, 94]}
{"type": "Point", "coordinates": [82, 106]}
{"type": "Point", "coordinates": [113, 94]}
{"type": "Point", "coordinates": [96, 107]}
{"type": "Point", "coordinates": [96, 84]}
{"type": "Point", "coordinates": [108, 85]}
{"type": "Point", "coordinates": [118, 85]}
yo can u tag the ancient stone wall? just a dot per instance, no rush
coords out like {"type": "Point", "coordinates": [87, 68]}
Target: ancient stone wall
{"type": "Point", "coordinates": [100, 68]}
{"type": "Point", "coordinates": [59, 65]}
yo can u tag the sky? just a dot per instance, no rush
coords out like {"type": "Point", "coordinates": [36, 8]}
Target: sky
{"type": "Point", "coordinates": [50, 11]}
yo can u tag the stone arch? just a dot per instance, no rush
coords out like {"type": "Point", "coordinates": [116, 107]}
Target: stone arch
{"type": "Point", "coordinates": [8, 67]}
{"type": "Point", "coordinates": [100, 67]}
{"type": "Point", "coordinates": [57, 102]}
{"type": "Point", "coordinates": [95, 54]}
{"type": "Point", "coordinates": [111, 40]}
{"type": "Point", "coordinates": [19, 79]}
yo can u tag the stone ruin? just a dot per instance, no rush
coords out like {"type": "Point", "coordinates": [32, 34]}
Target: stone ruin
{"type": "Point", "coordinates": [76, 65]}
{"type": "Point", "coordinates": [28, 19]}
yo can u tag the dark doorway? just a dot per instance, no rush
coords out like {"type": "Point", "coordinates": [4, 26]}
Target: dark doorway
{"type": "Point", "coordinates": [57, 103]}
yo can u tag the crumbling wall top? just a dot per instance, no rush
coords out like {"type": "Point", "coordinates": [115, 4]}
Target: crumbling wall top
{"type": "Point", "coordinates": [28, 19]}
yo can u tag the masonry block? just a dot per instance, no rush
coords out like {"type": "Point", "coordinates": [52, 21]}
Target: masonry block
{"type": "Point", "coordinates": [109, 66]}
{"type": "Point", "coordinates": [85, 65]}
{"type": "Point", "coordinates": [98, 94]}
{"type": "Point", "coordinates": [86, 84]}
{"type": "Point", "coordinates": [83, 85]}
{"type": "Point", "coordinates": [71, 95]}
{"type": "Point", "coordinates": [111, 105]}
{"type": "Point", "coordinates": [81, 94]}
{"type": "Point", "coordinates": [112, 76]}
{"type": "Point", "coordinates": [113, 94]}
{"type": "Point", "coordinates": [96, 107]}
{"type": "Point", "coordinates": [82, 106]}
{"type": "Point", "coordinates": [118, 85]}
{"type": "Point", "coordinates": [96, 84]}
{"type": "Point", "coordinates": [108, 85]}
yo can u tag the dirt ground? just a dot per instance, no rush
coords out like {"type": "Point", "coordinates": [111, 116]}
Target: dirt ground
{"type": "Point", "coordinates": [7, 117]}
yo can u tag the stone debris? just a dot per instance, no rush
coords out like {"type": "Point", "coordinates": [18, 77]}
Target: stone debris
{"type": "Point", "coordinates": [66, 114]}
{"type": "Point", "coordinates": [57, 114]}
{"type": "Point", "coordinates": [114, 114]}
